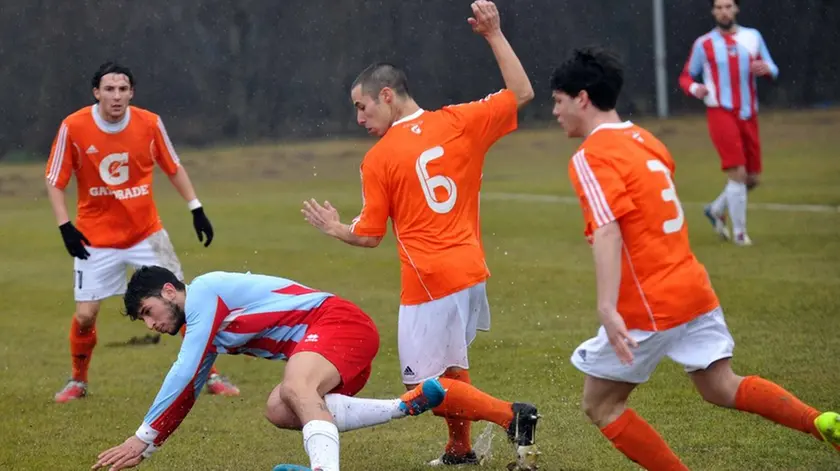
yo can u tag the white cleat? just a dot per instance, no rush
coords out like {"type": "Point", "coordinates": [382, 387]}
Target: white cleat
{"type": "Point", "coordinates": [718, 223]}
{"type": "Point", "coordinates": [742, 240]}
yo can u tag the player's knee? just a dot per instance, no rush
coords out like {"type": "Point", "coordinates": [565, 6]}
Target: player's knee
{"type": "Point", "coordinates": [292, 390]}
{"type": "Point", "coordinates": [601, 413]}
{"type": "Point", "coordinates": [86, 313]}
{"type": "Point", "coordinates": [737, 174]}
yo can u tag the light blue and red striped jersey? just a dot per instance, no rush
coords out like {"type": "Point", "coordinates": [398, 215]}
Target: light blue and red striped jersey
{"type": "Point", "coordinates": [234, 313]}
{"type": "Point", "coordinates": [722, 62]}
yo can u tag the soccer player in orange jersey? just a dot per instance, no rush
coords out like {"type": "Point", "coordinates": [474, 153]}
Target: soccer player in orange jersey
{"type": "Point", "coordinates": [424, 174]}
{"type": "Point", "coordinates": [112, 148]}
{"type": "Point", "coordinates": [655, 298]}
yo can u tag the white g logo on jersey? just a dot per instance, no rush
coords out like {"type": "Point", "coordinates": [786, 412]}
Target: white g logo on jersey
{"type": "Point", "coordinates": [114, 169]}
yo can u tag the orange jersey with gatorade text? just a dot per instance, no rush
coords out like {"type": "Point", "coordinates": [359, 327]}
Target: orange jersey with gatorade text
{"type": "Point", "coordinates": [623, 173]}
{"type": "Point", "coordinates": [425, 174]}
{"type": "Point", "coordinates": [113, 164]}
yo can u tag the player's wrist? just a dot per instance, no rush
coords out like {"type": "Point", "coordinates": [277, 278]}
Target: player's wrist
{"type": "Point", "coordinates": [194, 204]}
{"type": "Point", "coordinates": [693, 88]}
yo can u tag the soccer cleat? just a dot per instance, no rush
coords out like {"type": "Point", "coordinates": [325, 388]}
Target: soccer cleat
{"type": "Point", "coordinates": [828, 424]}
{"type": "Point", "coordinates": [742, 240]}
{"type": "Point", "coordinates": [293, 467]}
{"type": "Point", "coordinates": [718, 222]}
{"type": "Point", "coordinates": [521, 432]}
{"type": "Point", "coordinates": [72, 390]}
{"type": "Point", "coordinates": [426, 396]}
{"type": "Point", "coordinates": [219, 385]}
{"type": "Point", "coordinates": [448, 459]}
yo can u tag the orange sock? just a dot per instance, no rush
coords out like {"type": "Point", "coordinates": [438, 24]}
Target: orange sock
{"type": "Point", "coordinates": [466, 402]}
{"type": "Point", "coordinates": [82, 341]}
{"type": "Point", "coordinates": [459, 429]}
{"type": "Point", "coordinates": [771, 401]}
{"type": "Point", "coordinates": [213, 370]}
{"type": "Point", "coordinates": [639, 441]}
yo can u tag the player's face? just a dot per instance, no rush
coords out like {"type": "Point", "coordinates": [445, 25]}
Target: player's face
{"type": "Point", "coordinates": [162, 314]}
{"type": "Point", "coordinates": [374, 114]}
{"type": "Point", "coordinates": [724, 12]}
{"type": "Point", "coordinates": [568, 111]}
{"type": "Point", "coordinates": [114, 94]}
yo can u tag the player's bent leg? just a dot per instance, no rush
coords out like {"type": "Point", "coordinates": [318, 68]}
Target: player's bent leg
{"type": "Point", "coordinates": [82, 342]}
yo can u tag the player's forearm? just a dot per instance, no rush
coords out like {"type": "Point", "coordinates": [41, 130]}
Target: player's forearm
{"type": "Point", "coordinates": [514, 75]}
{"type": "Point", "coordinates": [343, 233]}
{"type": "Point", "coordinates": [181, 181]}
{"type": "Point", "coordinates": [58, 203]}
{"type": "Point", "coordinates": [606, 249]}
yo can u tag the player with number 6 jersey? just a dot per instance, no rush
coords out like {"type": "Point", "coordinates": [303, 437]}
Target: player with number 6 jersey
{"type": "Point", "coordinates": [425, 175]}
{"type": "Point", "coordinates": [654, 297]}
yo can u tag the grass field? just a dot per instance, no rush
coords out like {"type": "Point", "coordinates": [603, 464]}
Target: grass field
{"type": "Point", "coordinates": [781, 298]}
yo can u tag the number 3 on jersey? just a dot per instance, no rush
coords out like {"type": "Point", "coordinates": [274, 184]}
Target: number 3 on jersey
{"type": "Point", "coordinates": [668, 195]}
{"type": "Point", "coordinates": [429, 184]}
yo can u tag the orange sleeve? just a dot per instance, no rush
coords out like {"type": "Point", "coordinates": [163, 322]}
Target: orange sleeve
{"type": "Point", "coordinates": [60, 164]}
{"type": "Point", "coordinates": [373, 219]}
{"type": "Point", "coordinates": [491, 117]}
{"type": "Point", "coordinates": [602, 193]}
{"type": "Point", "coordinates": [164, 151]}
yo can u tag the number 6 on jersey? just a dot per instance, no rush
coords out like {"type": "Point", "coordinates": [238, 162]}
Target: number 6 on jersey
{"type": "Point", "coordinates": [429, 184]}
{"type": "Point", "coordinates": [669, 194]}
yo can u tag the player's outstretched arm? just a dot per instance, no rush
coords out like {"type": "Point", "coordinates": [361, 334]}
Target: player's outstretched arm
{"type": "Point", "coordinates": [57, 175]}
{"type": "Point", "coordinates": [486, 23]}
{"type": "Point", "coordinates": [326, 219]}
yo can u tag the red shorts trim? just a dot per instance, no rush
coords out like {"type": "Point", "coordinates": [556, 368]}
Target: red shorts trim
{"type": "Point", "coordinates": [736, 140]}
{"type": "Point", "coordinates": [347, 338]}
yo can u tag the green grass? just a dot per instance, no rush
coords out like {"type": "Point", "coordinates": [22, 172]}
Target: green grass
{"type": "Point", "coordinates": [780, 298]}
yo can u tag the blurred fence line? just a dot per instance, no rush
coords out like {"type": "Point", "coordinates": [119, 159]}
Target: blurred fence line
{"type": "Point", "coordinates": [239, 71]}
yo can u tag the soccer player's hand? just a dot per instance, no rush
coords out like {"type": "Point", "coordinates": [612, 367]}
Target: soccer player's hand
{"type": "Point", "coordinates": [325, 217]}
{"type": "Point", "coordinates": [202, 226]}
{"type": "Point", "coordinates": [486, 18]}
{"type": "Point", "coordinates": [759, 68]}
{"type": "Point", "coordinates": [127, 455]}
{"type": "Point", "coordinates": [619, 336]}
{"type": "Point", "coordinates": [701, 91]}
{"type": "Point", "coordinates": [74, 241]}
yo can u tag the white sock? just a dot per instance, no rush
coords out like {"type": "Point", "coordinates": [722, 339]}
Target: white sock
{"type": "Point", "coordinates": [351, 413]}
{"type": "Point", "coordinates": [719, 204]}
{"type": "Point", "coordinates": [320, 440]}
{"type": "Point", "coordinates": [736, 199]}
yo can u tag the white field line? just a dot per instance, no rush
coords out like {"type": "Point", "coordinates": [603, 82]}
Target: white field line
{"type": "Point", "coordinates": [778, 207]}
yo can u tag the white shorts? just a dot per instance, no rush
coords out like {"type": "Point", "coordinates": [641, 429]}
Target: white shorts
{"type": "Point", "coordinates": [103, 274]}
{"type": "Point", "coordinates": [695, 345]}
{"type": "Point", "coordinates": [434, 336]}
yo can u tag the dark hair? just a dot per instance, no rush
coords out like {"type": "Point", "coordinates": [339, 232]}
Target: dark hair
{"type": "Point", "coordinates": [147, 282]}
{"type": "Point", "coordinates": [380, 75]}
{"type": "Point", "coordinates": [595, 70]}
{"type": "Point", "coordinates": [737, 3]}
{"type": "Point", "coordinates": [111, 67]}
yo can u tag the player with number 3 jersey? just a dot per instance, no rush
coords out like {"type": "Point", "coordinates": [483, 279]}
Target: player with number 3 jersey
{"type": "Point", "coordinates": [655, 299]}
{"type": "Point", "coordinates": [425, 175]}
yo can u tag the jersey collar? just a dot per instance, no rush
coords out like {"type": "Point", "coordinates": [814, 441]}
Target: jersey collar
{"type": "Point", "coordinates": [107, 127]}
{"type": "Point", "coordinates": [410, 117]}
{"type": "Point", "coordinates": [624, 125]}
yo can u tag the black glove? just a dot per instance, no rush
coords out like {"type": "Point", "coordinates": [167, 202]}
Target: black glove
{"type": "Point", "coordinates": [202, 226]}
{"type": "Point", "coordinates": [73, 241]}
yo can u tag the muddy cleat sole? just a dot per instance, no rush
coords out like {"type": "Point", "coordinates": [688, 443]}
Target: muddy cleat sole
{"type": "Point", "coordinates": [526, 459]}
{"type": "Point", "coordinates": [522, 432]}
